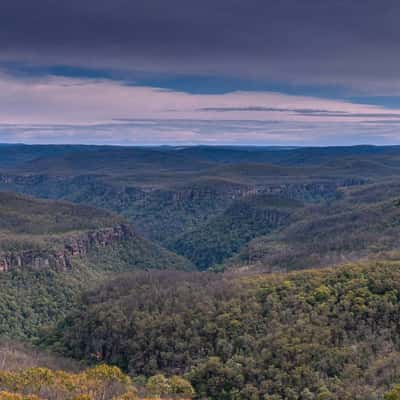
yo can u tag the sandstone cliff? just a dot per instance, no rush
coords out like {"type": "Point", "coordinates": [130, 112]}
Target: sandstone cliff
{"type": "Point", "coordinates": [66, 249]}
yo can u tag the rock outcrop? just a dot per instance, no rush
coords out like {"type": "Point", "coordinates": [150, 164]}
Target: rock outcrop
{"type": "Point", "coordinates": [69, 248]}
{"type": "Point", "coordinates": [312, 191]}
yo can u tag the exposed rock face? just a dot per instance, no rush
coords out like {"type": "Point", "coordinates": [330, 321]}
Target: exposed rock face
{"type": "Point", "coordinates": [88, 189]}
{"type": "Point", "coordinates": [312, 191]}
{"type": "Point", "coordinates": [72, 247]}
{"type": "Point", "coordinates": [212, 193]}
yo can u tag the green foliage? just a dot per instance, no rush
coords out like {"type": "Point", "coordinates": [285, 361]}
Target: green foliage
{"type": "Point", "coordinates": [16, 396]}
{"type": "Point", "coordinates": [158, 386]}
{"type": "Point", "coordinates": [181, 387]}
{"type": "Point", "coordinates": [21, 215]}
{"type": "Point", "coordinates": [312, 335]}
{"type": "Point", "coordinates": [102, 382]}
{"type": "Point", "coordinates": [34, 296]}
{"type": "Point", "coordinates": [96, 383]}
{"type": "Point", "coordinates": [359, 224]}
{"type": "Point", "coordinates": [393, 394]}
{"type": "Point", "coordinates": [31, 300]}
{"type": "Point", "coordinates": [135, 254]}
{"type": "Point", "coordinates": [204, 203]}
{"type": "Point", "coordinates": [175, 386]}
{"type": "Point", "coordinates": [224, 235]}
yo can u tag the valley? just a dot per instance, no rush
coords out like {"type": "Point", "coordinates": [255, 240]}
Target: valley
{"type": "Point", "coordinates": [179, 198]}
{"type": "Point", "coordinates": [199, 200]}
{"type": "Point", "coordinates": [202, 272]}
{"type": "Point", "coordinates": [51, 251]}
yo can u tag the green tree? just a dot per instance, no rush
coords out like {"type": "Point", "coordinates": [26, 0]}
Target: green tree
{"type": "Point", "coordinates": [393, 394]}
{"type": "Point", "coordinates": [181, 387]}
{"type": "Point", "coordinates": [158, 385]}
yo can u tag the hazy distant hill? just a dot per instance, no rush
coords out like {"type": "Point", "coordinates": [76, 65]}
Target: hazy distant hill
{"type": "Point", "coordinates": [16, 155]}
{"type": "Point", "coordinates": [112, 161]}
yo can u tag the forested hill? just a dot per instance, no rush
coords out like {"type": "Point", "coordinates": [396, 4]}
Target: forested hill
{"type": "Point", "coordinates": [81, 267]}
{"type": "Point", "coordinates": [331, 334]}
{"type": "Point", "coordinates": [213, 205]}
{"type": "Point", "coordinates": [51, 251]}
{"type": "Point", "coordinates": [41, 233]}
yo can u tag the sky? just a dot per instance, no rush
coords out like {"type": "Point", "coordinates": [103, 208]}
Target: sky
{"type": "Point", "coordinates": [185, 72]}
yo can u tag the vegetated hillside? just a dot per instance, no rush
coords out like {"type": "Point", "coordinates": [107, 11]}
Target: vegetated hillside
{"type": "Point", "coordinates": [330, 334]}
{"type": "Point", "coordinates": [186, 198]}
{"type": "Point", "coordinates": [159, 214]}
{"type": "Point", "coordinates": [30, 374]}
{"type": "Point", "coordinates": [165, 213]}
{"type": "Point", "coordinates": [39, 233]}
{"type": "Point", "coordinates": [26, 215]}
{"type": "Point", "coordinates": [81, 189]}
{"type": "Point", "coordinates": [365, 222]}
{"type": "Point", "coordinates": [225, 234]}
{"type": "Point", "coordinates": [51, 251]}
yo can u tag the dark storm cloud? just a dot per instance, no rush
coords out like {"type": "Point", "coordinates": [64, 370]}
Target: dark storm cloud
{"type": "Point", "coordinates": [346, 42]}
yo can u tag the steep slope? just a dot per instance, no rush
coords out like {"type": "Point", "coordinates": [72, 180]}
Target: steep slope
{"type": "Point", "coordinates": [50, 251]}
{"type": "Point", "coordinates": [159, 214]}
{"type": "Point", "coordinates": [39, 234]}
{"type": "Point", "coordinates": [188, 199]}
{"type": "Point", "coordinates": [363, 223]}
{"type": "Point", "coordinates": [164, 214]}
{"type": "Point", "coordinates": [225, 234]}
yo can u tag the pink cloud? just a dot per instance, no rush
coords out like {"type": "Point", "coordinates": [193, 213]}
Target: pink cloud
{"type": "Point", "coordinates": [107, 111]}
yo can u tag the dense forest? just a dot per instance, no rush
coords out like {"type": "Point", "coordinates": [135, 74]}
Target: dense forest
{"type": "Point", "coordinates": [199, 200]}
{"type": "Point", "coordinates": [330, 334]}
{"type": "Point", "coordinates": [220, 207]}
{"type": "Point", "coordinates": [204, 273]}
{"type": "Point", "coordinates": [226, 234]}
{"type": "Point", "coordinates": [51, 251]}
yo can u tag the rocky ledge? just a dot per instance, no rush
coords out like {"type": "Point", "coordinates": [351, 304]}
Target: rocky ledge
{"type": "Point", "coordinates": [69, 248]}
